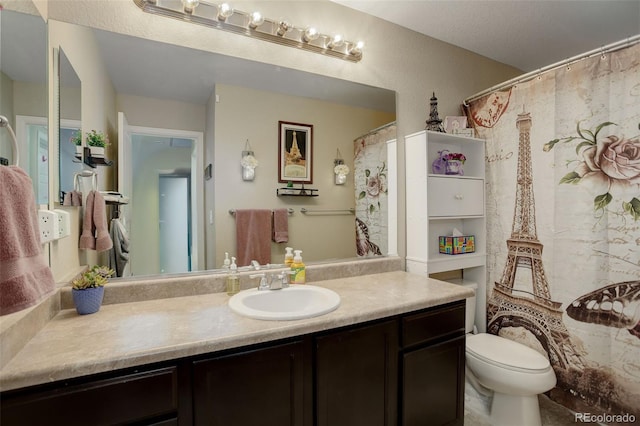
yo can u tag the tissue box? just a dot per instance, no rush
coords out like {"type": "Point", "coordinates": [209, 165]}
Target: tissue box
{"type": "Point", "coordinates": [457, 245]}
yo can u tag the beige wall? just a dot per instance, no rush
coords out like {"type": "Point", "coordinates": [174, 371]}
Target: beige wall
{"type": "Point", "coordinates": [6, 107]}
{"type": "Point", "coordinates": [98, 112]}
{"type": "Point", "coordinates": [243, 114]}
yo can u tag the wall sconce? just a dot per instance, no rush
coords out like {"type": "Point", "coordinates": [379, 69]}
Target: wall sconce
{"type": "Point", "coordinates": [224, 17]}
{"type": "Point", "coordinates": [340, 170]}
{"type": "Point", "coordinates": [248, 163]}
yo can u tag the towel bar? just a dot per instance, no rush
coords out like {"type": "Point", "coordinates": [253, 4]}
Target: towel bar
{"type": "Point", "coordinates": [349, 210]}
{"type": "Point", "coordinates": [233, 211]}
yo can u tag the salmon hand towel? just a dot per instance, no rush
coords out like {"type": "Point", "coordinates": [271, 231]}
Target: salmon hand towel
{"type": "Point", "coordinates": [95, 233]}
{"type": "Point", "coordinates": [253, 236]}
{"type": "Point", "coordinates": [25, 276]}
{"type": "Point", "coordinates": [281, 225]}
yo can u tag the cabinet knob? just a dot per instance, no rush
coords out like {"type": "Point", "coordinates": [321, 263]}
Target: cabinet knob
{"type": "Point", "coordinates": [458, 196]}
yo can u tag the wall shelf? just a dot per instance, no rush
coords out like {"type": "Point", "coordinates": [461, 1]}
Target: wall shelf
{"type": "Point", "coordinates": [296, 192]}
{"type": "Point", "coordinates": [95, 161]}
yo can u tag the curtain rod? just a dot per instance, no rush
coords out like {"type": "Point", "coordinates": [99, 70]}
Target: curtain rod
{"type": "Point", "coordinates": [377, 129]}
{"type": "Point", "coordinates": [530, 75]}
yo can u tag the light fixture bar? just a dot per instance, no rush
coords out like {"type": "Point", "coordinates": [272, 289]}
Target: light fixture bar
{"type": "Point", "coordinates": [207, 14]}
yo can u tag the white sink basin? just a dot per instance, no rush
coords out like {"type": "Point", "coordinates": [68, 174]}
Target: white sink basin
{"type": "Point", "coordinates": [291, 303]}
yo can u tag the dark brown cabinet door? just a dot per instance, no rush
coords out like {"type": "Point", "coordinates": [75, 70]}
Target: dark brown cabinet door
{"type": "Point", "coordinates": [433, 385]}
{"type": "Point", "coordinates": [260, 387]}
{"type": "Point", "coordinates": [356, 372]}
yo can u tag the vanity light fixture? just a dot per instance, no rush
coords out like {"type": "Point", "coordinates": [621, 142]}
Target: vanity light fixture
{"type": "Point", "coordinates": [224, 17]}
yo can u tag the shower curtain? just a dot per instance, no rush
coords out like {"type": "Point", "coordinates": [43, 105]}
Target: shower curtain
{"type": "Point", "coordinates": [370, 181]}
{"type": "Point", "coordinates": [563, 221]}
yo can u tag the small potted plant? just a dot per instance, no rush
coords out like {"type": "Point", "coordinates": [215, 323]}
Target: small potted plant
{"type": "Point", "coordinates": [97, 142]}
{"type": "Point", "coordinates": [76, 139]}
{"type": "Point", "coordinates": [88, 289]}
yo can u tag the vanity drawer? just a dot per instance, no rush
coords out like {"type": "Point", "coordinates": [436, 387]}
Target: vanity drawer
{"type": "Point", "coordinates": [433, 325]}
{"type": "Point", "coordinates": [150, 397]}
{"type": "Point", "coordinates": [448, 196]}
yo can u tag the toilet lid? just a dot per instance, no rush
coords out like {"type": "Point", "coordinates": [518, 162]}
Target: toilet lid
{"type": "Point", "coordinates": [498, 350]}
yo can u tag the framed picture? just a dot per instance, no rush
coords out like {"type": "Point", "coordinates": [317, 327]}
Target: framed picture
{"type": "Point", "coordinates": [295, 152]}
{"type": "Point", "coordinates": [454, 123]}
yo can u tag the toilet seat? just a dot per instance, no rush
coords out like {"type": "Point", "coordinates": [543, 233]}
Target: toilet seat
{"type": "Point", "coordinates": [505, 353]}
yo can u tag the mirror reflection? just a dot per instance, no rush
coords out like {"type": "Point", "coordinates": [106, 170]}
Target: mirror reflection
{"type": "Point", "coordinates": [23, 95]}
{"type": "Point", "coordinates": [70, 145]}
{"type": "Point", "coordinates": [185, 123]}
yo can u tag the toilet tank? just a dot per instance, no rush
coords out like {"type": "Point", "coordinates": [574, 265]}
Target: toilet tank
{"type": "Point", "coordinates": [470, 313]}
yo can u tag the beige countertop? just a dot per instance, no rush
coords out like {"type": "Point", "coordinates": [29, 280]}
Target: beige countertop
{"type": "Point", "coordinates": [129, 334]}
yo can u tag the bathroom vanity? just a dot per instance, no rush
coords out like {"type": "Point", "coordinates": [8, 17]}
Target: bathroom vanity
{"type": "Point", "coordinates": [391, 354]}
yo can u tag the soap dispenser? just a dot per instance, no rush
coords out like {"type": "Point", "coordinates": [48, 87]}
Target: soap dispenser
{"type": "Point", "coordinates": [227, 263]}
{"type": "Point", "coordinates": [288, 257]}
{"type": "Point", "coordinates": [233, 281]}
{"type": "Point", "coordinates": [298, 275]}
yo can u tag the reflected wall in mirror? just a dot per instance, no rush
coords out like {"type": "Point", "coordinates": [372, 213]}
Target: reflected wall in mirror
{"type": "Point", "coordinates": [229, 101]}
{"type": "Point", "coordinates": [23, 95]}
{"type": "Point", "coordinates": [70, 154]}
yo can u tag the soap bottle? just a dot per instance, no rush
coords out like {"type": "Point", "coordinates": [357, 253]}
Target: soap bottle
{"type": "Point", "coordinates": [227, 263]}
{"type": "Point", "coordinates": [233, 281]}
{"type": "Point", "coordinates": [288, 257]}
{"type": "Point", "coordinates": [298, 275]}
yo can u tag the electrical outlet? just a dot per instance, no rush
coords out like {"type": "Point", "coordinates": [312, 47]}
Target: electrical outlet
{"type": "Point", "coordinates": [64, 223]}
{"type": "Point", "coordinates": [49, 226]}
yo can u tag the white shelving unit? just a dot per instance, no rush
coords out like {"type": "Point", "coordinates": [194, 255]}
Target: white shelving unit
{"type": "Point", "coordinates": [437, 203]}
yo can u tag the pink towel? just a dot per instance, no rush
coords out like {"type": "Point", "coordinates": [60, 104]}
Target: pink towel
{"type": "Point", "coordinates": [95, 233]}
{"type": "Point", "coordinates": [253, 236]}
{"type": "Point", "coordinates": [25, 276]}
{"type": "Point", "coordinates": [280, 225]}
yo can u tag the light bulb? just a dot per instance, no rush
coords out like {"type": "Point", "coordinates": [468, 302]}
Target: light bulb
{"type": "Point", "coordinates": [336, 41]}
{"type": "Point", "coordinates": [356, 49]}
{"type": "Point", "coordinates": [224, 11]}
{"type": "Point", "coordinates": [189, 5]}
{"type": "Point", "coordinates": [283, 27]}
{"type": "Point", "coordinates": [256, 20]}
{"type": "Point", "coordinates": [310, 34]}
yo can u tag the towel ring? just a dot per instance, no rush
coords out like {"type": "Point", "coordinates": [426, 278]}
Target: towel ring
{"type": "Point", "coordinates": [14, 142]}
{"type": "Point", "coordinates": [85, 174]}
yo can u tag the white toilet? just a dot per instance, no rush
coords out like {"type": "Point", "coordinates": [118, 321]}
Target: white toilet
{"type": "Point", "coordinates": [513, 373]}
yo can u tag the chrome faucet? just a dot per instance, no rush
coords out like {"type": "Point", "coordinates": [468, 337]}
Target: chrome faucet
{"type": "Point", "coordinates": [272, 281]}
{"type": "Point", "coordinates": [255, 265]}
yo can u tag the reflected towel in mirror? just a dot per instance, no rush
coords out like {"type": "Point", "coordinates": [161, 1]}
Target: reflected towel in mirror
{"type": "Point", "coordinates": [280, 225]}
{"type": "Point", "coordinates": [253, 236]}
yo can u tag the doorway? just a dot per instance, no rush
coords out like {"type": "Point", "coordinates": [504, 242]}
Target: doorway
{"type": "Point", "coordinates": [154, 162]}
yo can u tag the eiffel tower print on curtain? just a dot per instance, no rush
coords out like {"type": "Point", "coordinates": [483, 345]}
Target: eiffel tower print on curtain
{"type": "Point", "coordinates": [535, 311]}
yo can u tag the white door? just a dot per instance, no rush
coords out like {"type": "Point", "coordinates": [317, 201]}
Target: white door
{"type": "Point", "coordinates": [173, 226]}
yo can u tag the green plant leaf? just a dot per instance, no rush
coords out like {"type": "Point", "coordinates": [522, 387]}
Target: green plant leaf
{"type": "Point", "coordinates": [603, 125]}
{"type": "Point", "coordinates": [572, 177]}
{"type": "Point", "coordinates": [633, 208]}
{"type": "Point", "coordinates": [579, 131]}
{"type": "Point", "coordinates": [601, 201]}
{"type": "Point", "coordinates": [585, 143]}
{"type": "Point", "coordinates": [371, 208]}
{"type": "Point", "coordinates": [549, 145]}
{"type": "Point", "coordinates": [362, 195]}
{"type": "Point", "coordinates": [367, 172]}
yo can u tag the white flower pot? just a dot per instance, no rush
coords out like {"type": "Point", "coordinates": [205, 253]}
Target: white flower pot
{"type": "Point", "coordinates": [97, 151]}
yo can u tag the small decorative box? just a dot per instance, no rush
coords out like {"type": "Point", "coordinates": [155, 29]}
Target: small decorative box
{"type": "Point", "coordinates": [457, 245]}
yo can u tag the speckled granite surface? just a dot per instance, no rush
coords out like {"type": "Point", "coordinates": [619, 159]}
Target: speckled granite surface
{"type": "Point", "coordinates": [128, 334]}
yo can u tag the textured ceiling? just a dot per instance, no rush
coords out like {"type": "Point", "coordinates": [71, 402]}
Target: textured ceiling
{"type": "Point", "coordinates": [526, 34]}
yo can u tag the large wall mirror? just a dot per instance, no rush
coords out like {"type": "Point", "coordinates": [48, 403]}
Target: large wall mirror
{"type": "Point", "coordinates": [70, 116]}
{"type": "Point", "coordinates": [23, 95]}
{"type": "Point", "coordinates": [181, 125]}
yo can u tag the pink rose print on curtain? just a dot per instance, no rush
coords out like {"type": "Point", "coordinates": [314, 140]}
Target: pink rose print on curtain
{"type": "Point", "coordinates": [612, 162]}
